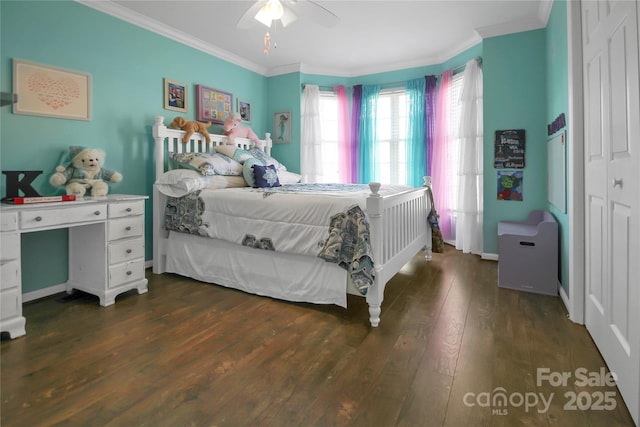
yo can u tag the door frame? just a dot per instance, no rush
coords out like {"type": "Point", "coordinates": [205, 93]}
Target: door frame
{"type": "Point", "coordinates": [576, 179]}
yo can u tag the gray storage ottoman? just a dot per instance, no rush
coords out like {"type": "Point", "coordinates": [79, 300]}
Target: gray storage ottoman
{"type": "Point", "coordinates": [528, 254]}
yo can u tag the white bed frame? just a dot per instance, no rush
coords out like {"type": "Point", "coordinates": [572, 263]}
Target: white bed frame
{"type": "Point", "coordinates": [398, 223]}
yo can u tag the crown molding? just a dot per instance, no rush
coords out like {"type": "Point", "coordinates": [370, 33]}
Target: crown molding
{"type": "Point", "coordinates": [511, 27]}
{"type": "Point", "coordinates": [139, 20]}
{"type": "Point", "coordinates": [285, 69]}
{"type": "Point", "coordinates": [544, 11]}
{"type": "Point", "coordinates": [396, 66]}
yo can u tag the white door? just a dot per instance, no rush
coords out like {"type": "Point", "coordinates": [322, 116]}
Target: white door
{"type": "Point", "coordinates": [612, 184]}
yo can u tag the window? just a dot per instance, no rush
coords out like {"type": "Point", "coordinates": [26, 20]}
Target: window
{"type": "Point", "coordinates": [391, 130]}
{"type": "Point", "coordinates": [392, 122]}
{"type": "Point", "coordinates": [392, 136]}
{"type": "Point", "coordinates": [453, 152]}
{"type": "Point", "coordinates": [329, 125]}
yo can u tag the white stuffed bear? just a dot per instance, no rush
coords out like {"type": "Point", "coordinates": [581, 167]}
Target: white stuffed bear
{"type": "Point", "coordinates": [84, 171]}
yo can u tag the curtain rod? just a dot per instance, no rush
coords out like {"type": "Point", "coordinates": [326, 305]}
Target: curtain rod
{"type": "Point", "coordinates": [389, 85]}
{"type": "Point", "coordinates": [382, 85]}
{"type": "Point", "coordinates": [325, 88]}
{"type": "Point", "coordinates": [461, 67]}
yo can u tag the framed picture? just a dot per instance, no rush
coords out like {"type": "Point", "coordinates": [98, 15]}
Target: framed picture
{"type": "Point", "coordinates": [509, 149]}
{"type": "Point", "coordinates": [175, 96]}
{"type": "Point", "coordinates": [282, 127]}
{"type": "Point", "coordinates": [48, 91]}
{"type": "Point", "coordinates": [510, 185]}
{"type": "Point", "coordinates": [244, 108]}
{"type": "Point", "coordinates": [213, 105]}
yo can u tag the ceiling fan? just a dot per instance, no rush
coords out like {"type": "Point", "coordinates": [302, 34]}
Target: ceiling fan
{"type": "Point", "coordinates": [286, 11]}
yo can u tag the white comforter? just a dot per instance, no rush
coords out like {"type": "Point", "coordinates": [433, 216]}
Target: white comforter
{"type": "Point", "coordinates": [294, 222]}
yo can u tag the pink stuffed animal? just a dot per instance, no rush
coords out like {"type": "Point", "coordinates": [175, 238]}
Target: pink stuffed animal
{"type": "Point", "coordinates": [233, 130]}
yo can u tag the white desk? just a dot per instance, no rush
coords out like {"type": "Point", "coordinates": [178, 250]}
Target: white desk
{"type": "Point", "coordinates": [106, 249]}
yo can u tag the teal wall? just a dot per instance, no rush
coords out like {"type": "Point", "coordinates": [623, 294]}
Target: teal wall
{"type": "Point", "coordinates": [557, 54]}
{"type": "Point", "coordinates": [514, 71]}
{"type": "Point", "coordinates": [283, 93]}
{"type": "Point", "coordinates": [127, 65]}
{"type": "Point", "coordinates": [522, 89]}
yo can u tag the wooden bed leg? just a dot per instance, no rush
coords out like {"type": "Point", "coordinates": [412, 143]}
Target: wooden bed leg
{"type": "Point", "coordinates": [374, 315]}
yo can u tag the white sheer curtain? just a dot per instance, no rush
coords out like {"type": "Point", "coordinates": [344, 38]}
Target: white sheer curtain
{"type": "Point", "coordinates": [469, 237]}
{"type": "Point", "coordinates": [311, 141]}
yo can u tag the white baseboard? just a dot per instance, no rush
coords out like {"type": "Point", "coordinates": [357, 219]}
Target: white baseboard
{"type": "Point", "coordinates": [565, 298]}
{"type": "Point", "coordinates": [490, 257]}
{"type": "Point", "coordinates": [45, 292]}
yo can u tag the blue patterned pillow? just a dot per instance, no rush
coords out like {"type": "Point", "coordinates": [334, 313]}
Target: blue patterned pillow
{"type": "Point", "coordinates": [266, 159]}
{"type": "Point", "coordinates": [247, 172]}
{"type": "Point", "coordinates": [265, 176]}
{"type": "Point", "coordinates": [237, 154]}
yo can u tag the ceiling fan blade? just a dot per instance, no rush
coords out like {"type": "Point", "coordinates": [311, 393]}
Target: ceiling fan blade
{"type": "Point", "coordinates": [288, 17]}
{"type": "Point", "coordinates": [247, 20]}
{"type": "Point", "coordinates": [314, 12]}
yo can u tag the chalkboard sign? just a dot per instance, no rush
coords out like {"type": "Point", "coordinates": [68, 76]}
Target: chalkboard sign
{"type": "Point", "coordinates": [509, 149]}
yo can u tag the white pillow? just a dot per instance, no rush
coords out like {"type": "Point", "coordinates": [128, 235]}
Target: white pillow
{"type": "Point", "coordinates": [180, 182]}
{"type": "Point", "coordinates": [223, 181]}
{"type": "Point", "coordinates": [286, 177]}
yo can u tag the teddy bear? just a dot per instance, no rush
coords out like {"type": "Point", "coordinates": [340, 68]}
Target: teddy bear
{"type": "Point", "coordinates": [82, 169]}
{"type": "Point", "coordinates": [233, 130]}
{"type": "Point", "coordinates": [190, 127]}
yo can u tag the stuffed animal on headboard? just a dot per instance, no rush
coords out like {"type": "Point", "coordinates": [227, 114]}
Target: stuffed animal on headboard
{"type": "Point", "coordinates": [82, 169]}
{"type": "Point", "coordinates": [190, 127]}
{"type": "Point", "coordinates": [233, 130]}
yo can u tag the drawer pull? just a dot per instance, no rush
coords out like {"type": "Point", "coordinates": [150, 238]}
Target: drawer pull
{"type": "Point", "coordinates": [128, 228]}
{"type": "Point", "coordinates": [38, 218]}
{"type": "Point", "coordinates": [96, 213]}
{"type": "Point", "coordinates": [128, 209]}
{"type": "Point", "coordinates": [129, 251]}
{"type": "Point", "coordinates": [129, 273]}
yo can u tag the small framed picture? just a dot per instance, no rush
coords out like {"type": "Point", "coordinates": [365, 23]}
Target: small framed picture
{"type": "Point", "coordinates": [244, 109]}
{"type": "Point", "coordinates": [175, 96]}
{"type": "Point", "coordinates": [282, 127]}
{"type": "Point", "coordinates": [213, 105]}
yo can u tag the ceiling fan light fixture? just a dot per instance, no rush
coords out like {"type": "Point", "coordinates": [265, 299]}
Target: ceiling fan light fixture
{"type": "Point", "coordinates": [263, 18]}
{"type": "Point", "coordinates": [272, 11]}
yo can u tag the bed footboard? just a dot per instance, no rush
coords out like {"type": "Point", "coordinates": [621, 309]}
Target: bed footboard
{"type": "Point", "coordinates": [399, 230]}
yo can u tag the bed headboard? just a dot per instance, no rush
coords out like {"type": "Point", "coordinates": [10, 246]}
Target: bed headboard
{"type": "Point", "coordinates": [169, 140]}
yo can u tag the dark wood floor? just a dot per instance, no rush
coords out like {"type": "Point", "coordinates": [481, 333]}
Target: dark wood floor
{"type": "Point", "coordinates": [190, 354]}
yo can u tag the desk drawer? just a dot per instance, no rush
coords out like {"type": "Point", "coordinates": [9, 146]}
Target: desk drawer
{"type": "Point", "coordinates": [40, 218]}
{"type": "Point", "coordinates": [10, 274]}
{"type": "Point", "coordinates": [126, 250]}
{"type": "Point", "coordinates": [125, 227]}
{"type": "Point", "coordinates": [9, 246]}
{"type": "Point", "coordinates": [9, 221]}
{"type": "Point", "coordinates": [11, 304]}
{"type": "Point", "coordinates": [120, 274]}
{"type": "Point", "coordinates": [119, 210]}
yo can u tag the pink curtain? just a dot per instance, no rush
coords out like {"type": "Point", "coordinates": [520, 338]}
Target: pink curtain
{"type": "Point", "coordinates": [344, 141]}
{"type": "Point", "coordinates": [440, 164]}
